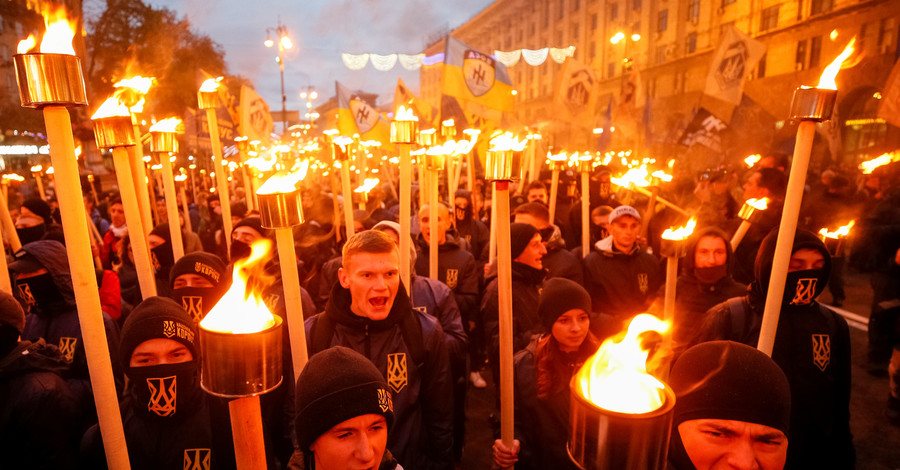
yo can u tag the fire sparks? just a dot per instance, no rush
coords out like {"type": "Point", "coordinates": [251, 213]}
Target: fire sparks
{"type": "Point", "coordinates": [616, 378]}
{"type": "Point", "coordinates": [752, 160]}
{"type": "Point", "coordinates": [680, 233]}
{"type": "Point", "coordinates": [507, 141]}
{"type": "Point", "coordinates": [830, 72]}
{"type": "Point", "coordinates": [210, 85]}
{"type": "Point", "coordinates": [241, 309]}
{"type": "Point", "coordinates": [167, 125]}
{"type": "Point", "coordinates": [284, 183]}
{"type": "Point", "coordinates": [841, 232]}
{"type": "Point", "coordinates": [405, 114]}
{"type": "Point", "coordinates": [869, 166]}
{"type": "Point", "coordinates": [111, 107]}
{"type": "Point", "coordinates": [760, 204]}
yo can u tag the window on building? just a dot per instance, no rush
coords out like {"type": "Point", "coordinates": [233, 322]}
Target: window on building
{"type": "Point", "coordinates": [815, 51]}
{"type": "Point", "coordinates": [576, 4]}
{"type": "Point", "coordinates": [761, 66]}
{"type": "Point", "coordinates": [886, 34]}
{"type": "Point", "coordinates": [593, 51]}
{"type": "Point", "coordinates": [660, 55]}
{"type": "Point", "coordinates": [693, 10]}
{"type": "Point", "coordinates": [769, 18]}
{"type": "Point", "coordinates": [19, 30]}
{"type": "Point", "coordinates": [662, 21]}
{"type": "Point", "coordinates": [861, 38]}
{"type": "Point", "coordinates": [1, 23]}
{"type": "Point", "coordinates": [611, 70]}
{"type": "Point", "coordinates": [820, 6]}
{"type": "Point", "coordinates": [691, 43]}
{"type": "Point", "coordinates": [561, 12]}
{"type": "Point", "coordinates": [614, 11]}
{"type": "Point", "coordinates": [724, 27]}
{"type": "Point", "coordinates": [800, 55]}
{"type": "Point", "coordinates": [594, 22]}
{"type": "Point", "coordinates": [636, 4]}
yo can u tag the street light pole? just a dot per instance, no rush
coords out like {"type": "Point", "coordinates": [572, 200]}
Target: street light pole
{"type": "Point", "coordinates": [284, 42]}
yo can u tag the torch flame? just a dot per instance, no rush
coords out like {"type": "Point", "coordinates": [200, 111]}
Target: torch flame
{"type": "Point", "coordinates": [7, 177]}
{"type": "Point", "coordinates": [636, 176]}
{"type": "Point", "coordinates": [752, 160]}
{"type": "Point", "coordinates": [559, 157]}
{"type": "Point", "coordinates": [36, 168]}
{"type": "Point", "coordinates": [138, 83]}
{"type": "Point", "coordinates": [616, 378]}
{"type": "Point", "coordinates": [180, 177]}
{"type": "Point", "coordinates": [58, 35]}
{"type": "Point", "coordinates": [826, 81]}
{"type": "Point", "coordinates": [405, 114]}
{"type": "Point", "coordinates": [111, 107]}
{"type": "Point", "coordinates": [839, 233]}
{"type": "Point", "coordinates": [662, 175]}
{"type": "Point", "coordinates": [869, 166]}
{"type": "Point", "coordinates": [26, 44]}
{"type": "Point", "coordinates": [507, 141]}
{"type": "Point", "coordinates": [210, 85]}
{"type": "Point", "coordinates": [284, 183]}
{"type": "Point", "coordinates": [680, 233]}
{"type": "Point", "coordinates": [166, 125]}
{"type": "Point", "coordinates": [448, 123]}
{"type": "Point", "coordinates": [241, 309]}
{"type": "Point", "coordinates": [759, 204]}
{"type": "Point", "coordinates": [367, 185]}
{"type": "Point", "coordinates": [50, 170]}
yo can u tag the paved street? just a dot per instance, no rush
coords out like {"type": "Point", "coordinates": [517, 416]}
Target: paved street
{"type": "Point", "coordinates": [877, 442]}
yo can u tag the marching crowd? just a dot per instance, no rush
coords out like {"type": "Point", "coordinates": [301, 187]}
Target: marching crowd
{"type": "Point", "coordinates": [390, 365]}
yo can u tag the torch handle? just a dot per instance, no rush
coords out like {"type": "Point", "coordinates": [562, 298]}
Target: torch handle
{"type": "Point", "coordinates": [84, 283]}
{"type": "Point", "coordinates": [504, 291]}
{"type": "Point", "coordinates": [405, 213]}
{"type": "Point", "coordinates": [139, 181]}
{"type": "Point", "coordinates": [348, 198]}
{"type": "Point", "coordinates": [554, 190]}
{"type": "Point", "coordinates": [671, 281]}
{"type": "Point", "coordinates": [5, 283]}
{"type": "Point", "coordinates": [739, 234]}
{"type": "Point", "coordinates": [492, 253]}
{"type": "Point", "coordinates": [221, 179]}
{"type": "Point", "coordinates": [136, 231]}
{"type": "Point", "coordinates": [40, 185]}
{"type": "Point", "coordinates": [9, 228]}
{"type": "Point", "coordinates": [248, 193]}
{"type": "Point", "coordinates": [470, 171]}
{"type": "Point", "coordinates": [172, 206]}
{"type": "Point", "coordinates": [185, 207]}
{"type": "Point", "coordinates": [806, 131]}
{"type": "Point", "coordinates": [662, 201]}
{"type": "Point", "coordinates": [247, 431]}
{"type": "Point", "coordinates": [433, 225]}
{"type": "Point", "coordinates": [422, 186]}
{"type": "Point", "coordinates": [585, 214]}
{"type": "Point", "coordinates": [337, 208]}
{"type": "Point", "coordinates": [290, 280]}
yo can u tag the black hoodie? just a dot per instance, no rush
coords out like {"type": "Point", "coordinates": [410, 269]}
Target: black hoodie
{"type": "Point", "coordinates": [812, 347]}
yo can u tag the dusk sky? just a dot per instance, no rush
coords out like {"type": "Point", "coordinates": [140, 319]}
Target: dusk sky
{"type": "Point", "coordinates": [321, 30]}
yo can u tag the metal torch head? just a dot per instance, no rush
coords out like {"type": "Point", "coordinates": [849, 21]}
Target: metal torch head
{"type": "Point", "coordinates": [673, 248]}
{"type": "Point", "coordinates": [114, 131]}
{"type": "Point", "coordinates": [207, 99]}
{"type": "Point", "coordinates": [280, 210]}
{"type": "Point", "coordinates": [49, 79]}
{"type": "Point", "coordinates": [241, 365]}
{"type": "Point", "coordinates": [163, 142]}
{"type": "Point", "coordinates": [503, 165]}
{"type": "Point", "coordinates": [404, 132]}
{"type": "Point", "coordinates": [812, 104]}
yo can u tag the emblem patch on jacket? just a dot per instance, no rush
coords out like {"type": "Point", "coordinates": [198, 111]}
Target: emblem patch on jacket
{"type": "Point", "coordinates": [197, 459]}
{"type": "Point", "coordinates": [26, 294]}
{"type": "Point", "coordinates": [67, 347]}
{"type": "Point", "coordinates": [422, 309]}
{"type": "Point", "coordinates": [805, 292]}
{"type": "Point", "coordinates": [452, 278]}
{"type": "Point", "coordinates": [385, 402]}
{"type": "Point", "coordinates": [643, 282]}
{"type": "Point", "coordinates": [397, 371]}
{"type": "Point", "coordinates": [163, 391]}
{"type": "Point", "coordinates": [821, 351]}
{"type": "Point", "coordinates": [193, 305]}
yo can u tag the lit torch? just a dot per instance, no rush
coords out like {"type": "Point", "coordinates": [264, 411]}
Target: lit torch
{"type": "Point", "coordinates": [503, 164]}
{"type": "Point", "coordinates": [834, 241]}
{"type": "Point", "coordinates": [281, 210]}
{"type": "Point", "coordinates": [869, 166]}
{"type": "Point", "coordinates": [752, 160]}
{"type": "Point", "coordinates": [558, 163]}
{"type": "Point", "coordinates": [674, 246]}
{"type": "Point", "coordinates": [164, 143]}
{"type": "Point", "coordinates": [51, 80]}
{"type": "Point", "coordinates": [635, 180]}
{"type": "Point", "coordinates": [130, 92]}
{"type": "Point", "coordinates": [620, 415]}
{"type": "Point", "coordinates": [341, 147]}
{"type": "Point", "coordinates": [241, 348]}
{"type": "Point", "coordinates": [434, 162]}
{"type": "Point", "coordinates": [207, 98]}
{"type": "Point", "coordinates": [809, 106]}
{"type": "Point", "coordinates": [585, 166]}
{"type": "Point", "coordinates": [36, 173]}
{"type": "Point", "coordinates": [749, 214]}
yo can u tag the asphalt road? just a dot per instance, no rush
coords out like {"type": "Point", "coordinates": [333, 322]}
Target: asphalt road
{"type": "Point", "coordinates": [877, 442]}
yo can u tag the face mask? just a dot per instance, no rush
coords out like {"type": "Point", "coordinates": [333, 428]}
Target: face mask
{"type": "Point", "coordinates": [196, 301]}
{"type": "Point", "coordinates": [239, 250]}
{"type": "Point", "coordinates": [802, 287]}
{"type": "Point", "coordinates": [31, 234]}
{"type": "Point", "coordinates": [163, 257]}
{"type": "Point", "coordinates": [712, 274]}
{"type": "Point", "coordinates": [166, 390]}
{"type": "Point", "coordinates": [40, 291]}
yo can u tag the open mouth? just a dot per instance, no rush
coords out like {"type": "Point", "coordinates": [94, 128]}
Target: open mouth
{"type": "Point", "coordinates": [378, 302]}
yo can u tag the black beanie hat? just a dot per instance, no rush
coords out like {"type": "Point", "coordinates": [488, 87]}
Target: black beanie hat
{"type": "Point", "coordinates": [205, 265]}
{"type": "Point", "coordinates": [40, 208]}
{"type": "Point", "coordinates": [162, 231]}
{"type": "Point", "coordinates": [729, 380]}
{"type": "Point", "coordinates": [158, 317]}
{"type": "Point", "coordinates": [255, 223]}
{"type": "Point", "coordinates": [338, 384]}
{"type": "Point", "coordinates": [520, 236]}
{"type": "Point", "coordinates": [558, 296]}
{"type": "Point", "coordinates": [11, 312]}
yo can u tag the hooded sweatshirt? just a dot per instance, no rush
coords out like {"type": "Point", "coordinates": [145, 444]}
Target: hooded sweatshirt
{"type": "Point", "coordinates": [621, 284]}
{"type": "Point", "coordinates": [812, 347]}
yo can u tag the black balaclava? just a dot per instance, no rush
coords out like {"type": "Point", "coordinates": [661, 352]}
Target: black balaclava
{"type": "Point", "coordinates": [709, 275]}
{"type": "Point", "coordinates": [198, 301]}
{"type": "Point", "coordinates": [40, 292]}
{"type": "Point", "coordinates": [801, 287]}
{"type": "Point", "coordinates": [31, 234]}
{"type": "Point", "coordinates": [463, 214]}
{"type": "Point", "coordinates": [163, 256]}
{"type": "Point", "coordinates": [240, 249]}
{"type": "Point", "coordinates": [165, 391]}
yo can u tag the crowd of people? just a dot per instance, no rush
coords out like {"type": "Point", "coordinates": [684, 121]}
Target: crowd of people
{"type": "Point", "coordinates": [391, 365]}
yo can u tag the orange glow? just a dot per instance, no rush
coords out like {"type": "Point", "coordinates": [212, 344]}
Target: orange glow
{"type": "Point", "coordinates": [50, 170]}
{"type": "Point", "coordinates": [635, 176]}
{"type": "Point", "coordinates": [841, 232]}
{"type": "Point", "coordinates": [138, 83]}
{"type": "Point", "coordinates": [752, 160]}
{"type": "Point", "coordinates": [507, 141]}
{"type": "Point", "coordinates": [368, 185]}
{"type": "Point", "coordinates": [167, 125]}
{"type": "Point", "coordinates": [830, 72]}
{"type": "Point", "coordinates": [448, 123]}
{"type": "Point", "coordinates": [616, 378]}
{"type": "Point", "coordinates": [36, 168]}
{"type": "Point", "coordinates": [405, 114]}
{"type": "Point", "coordinates": [662, 175]}
{"type": "Point", "coordinates": [210, 85]}
{"type": "Point", "coordinates": [760, 204]}
{"type": "Point", "coordinates": [559, 157]}
{"type": "Point", "coordinates": [284, 183]}
{"type": "Point", "coordinates": [680, 233]}
{"type": "Point", "coordinates": [26, 44]}
{"type": "Point", "coordinates": [12, 177]}
{"type": "Point", "coordinates": [870, 165]}
{"type": "Point", "coordinates": [241, 309]}
{"type": "Point", "coordinates": [111, 107]}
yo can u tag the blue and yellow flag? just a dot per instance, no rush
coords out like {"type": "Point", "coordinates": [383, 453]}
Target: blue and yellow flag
{"type": "Point", "coordinates": [357, 116]}
{"type": "Point", "coordinates": [479, 82]}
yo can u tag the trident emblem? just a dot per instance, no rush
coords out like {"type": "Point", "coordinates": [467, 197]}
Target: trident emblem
{"type": "Point", "coordinates": [162, 395]}
{"type": "Point", "coordinates": [396, 371]}
{"type": "Point", "coordinates": [806, 291]}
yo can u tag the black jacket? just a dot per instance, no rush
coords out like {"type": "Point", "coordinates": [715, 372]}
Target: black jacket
{"type": "Point", "coordinates": [421, 437]}
{"type": "Point", "coordinates": [456, 269]}
{"type": "Point", "coordinates": [436, 299]}
{"type": "Point", "coordinates": [526, 292]}
{"type": "Point", "coordinates": [621, 284]}
{"type": "Point", "coordinates": [560, 262]}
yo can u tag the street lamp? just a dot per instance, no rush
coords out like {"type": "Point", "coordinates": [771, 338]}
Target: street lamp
{"type": "Point", "coordinates": [309, 94]}
{"type": "Point", "coordinates": [284, 42]}
{"type": "Point", "coordinates": [620, 37]}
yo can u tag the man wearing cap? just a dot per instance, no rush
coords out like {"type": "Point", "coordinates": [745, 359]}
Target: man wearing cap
{"type": "Point", "coordinates": [558, 261]}
{"type": "Point", "coordinates": [38, 413]}
{"type": "Point", "coordinates": [762, 183]}
{"type": "Point", "coordinates": [732, 409]}
{"type": "Point", "coordinates": [162, 256]}
{"type": "Point", "coordinates": [369, 311]}
{"type": "Point", "coordinates": [621, 277]}
{"type": "Point", "coordinates": [345, 410]}
{"type": "Point", "coordinates": [109, 252]}
{"type": "Point", "coordinates": [34, 220]}
{"type": "Point", "coordinates": [166, 416]}
{"type": "Point", "coordinates": [197, 281]}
